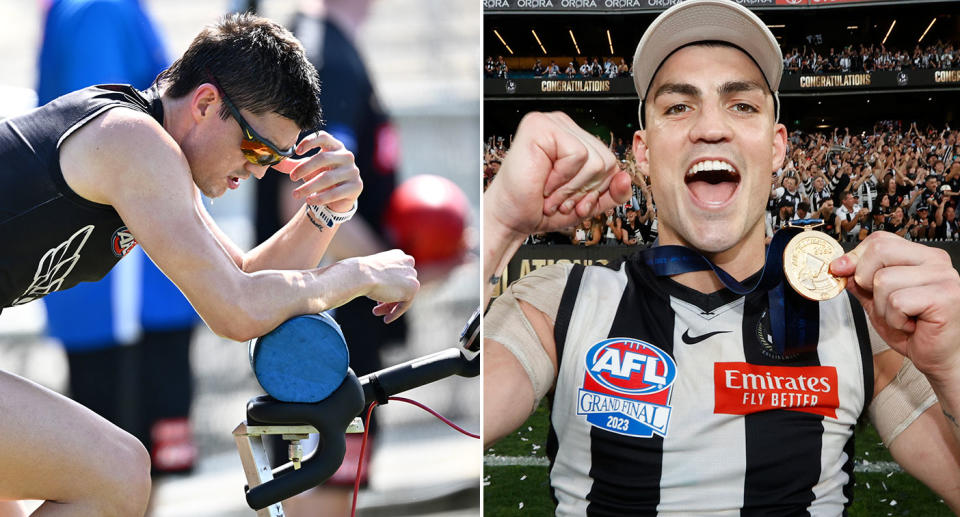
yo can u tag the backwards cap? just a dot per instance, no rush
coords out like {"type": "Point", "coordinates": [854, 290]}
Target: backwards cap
{"type": "Point", "coordinates": [706, 20]}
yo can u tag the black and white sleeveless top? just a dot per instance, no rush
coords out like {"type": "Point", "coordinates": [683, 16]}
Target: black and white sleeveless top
{"type": "Point", "coordinates": [669, 401]}
{"type": "Point", "coordinates": [53, 238]}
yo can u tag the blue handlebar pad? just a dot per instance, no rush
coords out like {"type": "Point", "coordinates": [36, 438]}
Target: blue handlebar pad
{"type": "Point", "coordinates": [302, 360]}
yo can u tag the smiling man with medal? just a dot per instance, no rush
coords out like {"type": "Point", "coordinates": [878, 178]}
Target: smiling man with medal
{"type": "Point", "coordinates": [711, 373]}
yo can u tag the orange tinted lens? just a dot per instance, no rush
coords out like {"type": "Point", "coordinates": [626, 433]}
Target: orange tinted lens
{"type": "Point", "coordinates": [258, 153]}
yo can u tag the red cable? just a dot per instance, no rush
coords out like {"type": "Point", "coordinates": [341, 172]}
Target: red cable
{"type": "Point", "coordinates": [434, 413]}
{"type": "Point", "coordinates": [366, 431]}
{"type": "Point", "coordinates": [363, 447]}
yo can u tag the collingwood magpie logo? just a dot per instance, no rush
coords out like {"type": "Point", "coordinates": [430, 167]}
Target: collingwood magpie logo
{"type": "Point", "coordinates": [55, 265]}
{"type": "Point", "coordinates": [122, 242]}
{"type": "Point", "coordinates": [765, 338]}
{"type": "Point", "coordinates": [511, 86]}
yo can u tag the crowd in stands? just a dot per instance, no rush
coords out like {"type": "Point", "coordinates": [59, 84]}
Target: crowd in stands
{"type": "Point", "coordinates": [609, 67]}
{"type": "Point", "coordinates": [498, 68]}
{"type": "Point", "coordinates": [895, 177]}
{"type": "Point", "coordinates": [597, 67]}
{"type": "Point", "coordinates": [814, 58]}
{"type": "Point", "coordinates": [870, 58]}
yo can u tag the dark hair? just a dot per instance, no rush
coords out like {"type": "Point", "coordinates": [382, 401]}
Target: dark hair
{"type": "Point", "coordinates": [259, 64]}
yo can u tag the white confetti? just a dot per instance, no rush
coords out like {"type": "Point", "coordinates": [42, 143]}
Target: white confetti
{"type": "Point", "coordinates": [523, 477]}
{"type": "Point", "coordinates": [536, 447]}
{"type": "Point", "coordinates": [868, 485]}
{"type": "Point", "coordinates": [889, 474]}
{"type": "Point", "coordinates": [520, 507]}
{"type": "Point", "coordinates": [893, 502]}
{"type": "Point", "coordinates": [884, 486]}
{"type": "Point", "coordinates": [866, 453]}
{"type": "Point", "coordinates": [529, 428]}
{"type": "Point", "coordinates": [522, 439]}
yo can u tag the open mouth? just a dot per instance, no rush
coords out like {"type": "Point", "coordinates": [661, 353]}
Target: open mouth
{"type": "Point", "coordinates": [233, 182]}
{"type": "Point", "coordinates": [712, 182]}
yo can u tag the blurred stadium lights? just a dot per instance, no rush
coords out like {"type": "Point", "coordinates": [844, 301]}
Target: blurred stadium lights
{"type": "Point", "coordinates": [928, 29]}
{"type": "Point", "coordinates": [830, 93]}
{"type": "Point", "coordinates": [501, 41]}
{"type": "Point", "coordinates": [610, 41]}
{"type": "Point", "coordinates": [538, 41]}
{"type": "Point", "coordinates": [574, 41]}
{"type": "Point", "coordinates": [884, 42]}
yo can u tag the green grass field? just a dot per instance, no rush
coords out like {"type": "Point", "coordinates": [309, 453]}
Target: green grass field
{"type": "Point", "coordinates": [881, 489]}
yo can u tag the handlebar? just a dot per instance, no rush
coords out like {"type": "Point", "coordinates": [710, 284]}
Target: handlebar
{"type": "Point", "coordinates": [390, 381]}
{"type": "Point", "coordinates": [329, 417]}
{"type": "Point", "coordinates": [332, 415]}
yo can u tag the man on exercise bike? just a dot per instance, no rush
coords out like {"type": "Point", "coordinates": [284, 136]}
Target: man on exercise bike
{"type": "Point", "coordinates": [98, 171]}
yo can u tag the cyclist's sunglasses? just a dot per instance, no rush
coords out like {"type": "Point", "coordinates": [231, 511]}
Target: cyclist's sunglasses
{"type": "Point", "coordinates": [255, 148]}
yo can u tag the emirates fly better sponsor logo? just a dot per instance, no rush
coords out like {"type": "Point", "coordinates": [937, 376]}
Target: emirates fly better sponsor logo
{"type": "Point", "coordinates": [626, 387]}
{"type": "Point", "coordinates": [743, 388]}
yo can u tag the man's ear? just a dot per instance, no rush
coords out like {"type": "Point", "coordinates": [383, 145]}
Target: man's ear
{"type": "Point", "coordinates": [641, 152]}
{"type": "Point", "coordinates": [779, 146]}
{"type": "Point", "coordinates": [204, 101]}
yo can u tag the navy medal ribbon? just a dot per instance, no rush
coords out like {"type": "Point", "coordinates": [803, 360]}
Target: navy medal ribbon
{"type": "Point", "coordinates": [794, 320]}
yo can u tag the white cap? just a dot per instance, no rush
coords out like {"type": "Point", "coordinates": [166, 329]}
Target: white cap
{"type": "Point", "coordinates": [706, 20]}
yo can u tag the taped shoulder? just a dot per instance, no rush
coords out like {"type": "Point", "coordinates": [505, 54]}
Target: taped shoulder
{"type": "Point", "coordinates": [507, 324]}
{"type": "Point", "coordinates": [543, 288]}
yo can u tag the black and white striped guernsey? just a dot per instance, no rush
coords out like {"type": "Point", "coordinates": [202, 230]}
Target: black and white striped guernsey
{"type": "Point", "coordinates": [669, 401]}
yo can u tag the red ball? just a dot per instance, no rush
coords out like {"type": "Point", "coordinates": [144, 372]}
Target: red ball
{"type": "Point", "coordinates": [426, 218]}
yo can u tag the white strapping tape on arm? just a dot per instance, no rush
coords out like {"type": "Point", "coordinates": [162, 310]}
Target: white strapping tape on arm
{"type": "Point", "coordinates": [901, 402]}
{"type": "Point", "coordinates": [507, 324]}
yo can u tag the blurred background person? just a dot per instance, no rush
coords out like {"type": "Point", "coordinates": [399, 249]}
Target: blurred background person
{"type": "Point", "coordinates": [127, 337]}
{"type": "Point", "coordinates": [353, 114]}
{"type": "Point", "coordinates": [587, 233]}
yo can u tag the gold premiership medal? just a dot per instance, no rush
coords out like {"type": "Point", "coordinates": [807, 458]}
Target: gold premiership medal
{"type": "Point", "coordinates": [806, 264]}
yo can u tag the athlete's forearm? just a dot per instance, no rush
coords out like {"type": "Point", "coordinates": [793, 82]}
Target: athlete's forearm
{"type": "Point", "coordinates": [499, 245]}
{"type": "Point", "coordinates": [272, 283]}
{"type": "Point", "coordinates": [947, 388]}
{"type": "Point", "coordinates": [300, 244]}
{"type": "Point", "coordinates": [252, 304]}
